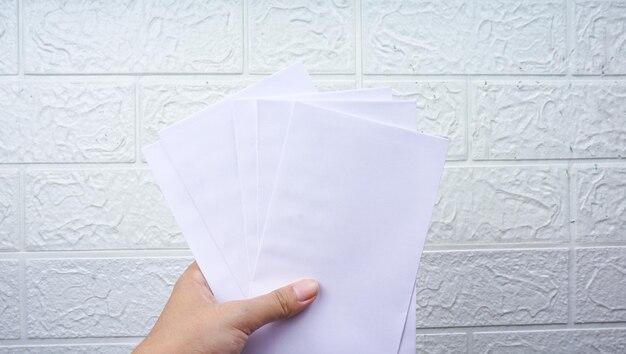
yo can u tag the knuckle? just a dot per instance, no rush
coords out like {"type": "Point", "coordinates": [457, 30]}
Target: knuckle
{"type": "Point", "coordinates": [282, 303]}
{"type": "Point", "coordinates": [194, 274]}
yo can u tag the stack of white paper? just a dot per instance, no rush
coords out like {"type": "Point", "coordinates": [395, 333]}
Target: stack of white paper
{"type": "Point", "coordinates": [278, 183]}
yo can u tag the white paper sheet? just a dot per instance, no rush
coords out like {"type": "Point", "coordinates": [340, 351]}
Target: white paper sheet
{"type": "Point", "coordinates": [202, 151]}
{"type": "Point", "coordinates": [203, 247]}
{"type": "Point", "coordinates": [245, 122]}
{"type": "Point", "coordinates": [407, 342]}
{"type": "Point", "coordinates": [273, 119]}
{"type": "Point", "coordinates": [398, 113]}
{"type": "Point", "coordinates": [159, 153]}
{"type": "Point", "coordinates": [246, 127]}
{"type": "Point", "coordinates": [330, 164]}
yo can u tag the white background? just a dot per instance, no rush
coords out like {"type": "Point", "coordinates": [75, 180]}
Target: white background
{"type": "Point", "coordinates": [528, 235]}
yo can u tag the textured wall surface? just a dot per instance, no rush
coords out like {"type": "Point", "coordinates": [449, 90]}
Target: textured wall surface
{"type": "Point", "coordinates": [527, 249]}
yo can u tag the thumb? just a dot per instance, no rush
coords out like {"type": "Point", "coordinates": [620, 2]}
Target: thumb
{"type": "Point", "coordinates": [280, 304]}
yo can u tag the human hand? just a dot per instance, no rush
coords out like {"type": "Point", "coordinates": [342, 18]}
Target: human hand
{"type": "Point", "coordinates": [193, 321]}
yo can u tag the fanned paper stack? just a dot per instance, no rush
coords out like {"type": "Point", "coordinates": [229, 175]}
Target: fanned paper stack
{"type": "Point", "coordinates": [278, 183]}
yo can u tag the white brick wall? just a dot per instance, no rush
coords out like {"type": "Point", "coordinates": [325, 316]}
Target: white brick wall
{"type": "Point", "coordinates": [598, 27]}
{"type": "Point", "coordinates": [320, 33]}
{"type": "Point", "coordinates": [67, 122]}
{"type": "Point", "coordinates": [527, 250]}
{"type": "Point", "coordinates": [96, 209]}
{"type": "Point", "coordinates": [9, 205]}
{"type": "Point", "coordinates": [143, 36]}
{"type": "Point", "coordinates": [9, 299]}
{"type": "Point", "coordinates": [482, 288]}
{"type": "Point", "coordinates": [97, 297]}
{"type": "Point", "coordinates": [556, 342]}
{"type": "Point", "coordinates": [548, 120]}
{"type": "Point", "coordinates": [8, 37]}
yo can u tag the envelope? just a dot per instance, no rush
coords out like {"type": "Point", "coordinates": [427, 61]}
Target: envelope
{"type": "Point", "coordinates": [201, 152]}
{"type": "Point", "coordinates": [336, 169]}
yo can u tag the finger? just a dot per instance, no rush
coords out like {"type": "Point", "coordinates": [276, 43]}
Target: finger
{"type": "Point", "coordinates": [250, 315]}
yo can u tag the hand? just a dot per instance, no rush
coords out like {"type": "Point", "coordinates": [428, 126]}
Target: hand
{"type": "Point", "coordinates": [194, 322]}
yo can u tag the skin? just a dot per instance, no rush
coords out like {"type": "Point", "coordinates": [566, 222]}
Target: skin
{"type": "Point", "coordinates": [193, 321]}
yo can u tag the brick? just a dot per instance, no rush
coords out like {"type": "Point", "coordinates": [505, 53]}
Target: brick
{"type": "Point", "coordinates": [164, 104]}
{"type": "Point", "coordinates": [441, 110]}
{"type": "Point", "coordinates": [441, 343]}
{"type": "Point", "coordinates": [518, 37]}
{"type": "Point", "coordinates": [110, 209]}
{"type": "Point", "coordinates": [488, 37]}
{"type": "Point", "coordinates": [145, 36]}
{"type": "Point", "coordinates": [483, 288]}
{"type": "Point", "coordinates": [9, 210]}
{"type": "Point", "coordinates": [501, 205]}
{"type": "Point", "coordinates": [9, 300]}
{"type": "Point", "coordinates": [69, 349]}
{"type": "Point", "coordinates": [600, 203]}
{"type": "Point", "coordinates": [321, 34]}
{"type": "Point", "coordinates": [8, 37]}
{"type": "Point", "coordinates": [599, 29]}
{"type": "Point", "coordinates": [600, 284]}
{"type": "Point", "coordinates": [554, 342]}
{"type": "Point", "coordinates": [64, 122]}
{"type": "Point", "coordinates": [407, 37]}
{"type": "Point", "coordinates": [103, 297]}
{"type": "Point", "coordinates": [548, 120]}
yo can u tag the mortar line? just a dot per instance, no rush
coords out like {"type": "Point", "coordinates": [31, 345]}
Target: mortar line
{"type": "Point", "coordinates": [20, 40]}
{"type": "Point", "coordinates": [490, 76]}
{"type": "Point", "coordinates": [530, 245]}
{"type": "Point", "coordinates": [176, 252]}
{"type": "Point", "coordinates": [569, 38]}
{"type": "Point", "coordinates": [245, 39]}
{"type": "Point", "coordinates": [183, 252]}
{"type": "Point", "coordinates": [571, 288]}
{"type": "Point", "coordinates": [572, 214]}
{"type": "Point", "coordinates": [540, 327]}
{"type": "Point", "coordinates": [21, 261]}
{"type": "Point", "coordinates": [21, 245]}
{"type": "Point", "coordinates": [534, 163]}
{"type": "Point", "coordinates": [571, 274]}
{"type": "Point", "coordinates": [469, 339]}
{"type": "Point", "coordinates": [102, 253]}
{"type": "Point", "coordinates": [138, 127]}
{"type": "Point", "coordinates": [95, 77]}
{"type": "Point", "coordinates": [496, 247]}
{"type": "Point", "coordinates": [21, 276]}
{"type": "Point", "coordinates": [71, 341]}
{"type": "Point", "coordinates": [358, 43]}
{"type": "Point", "coordinates": [443, 331]}
{"type": "Point", "coordinates": [47, 166]}
{"type": "Point", "coordinates": [63, 166]}
{"type": "Point", "coordinates": [22, 300]}
{"type": "Point", "coordinates": [113, 340]}
{"type": "Point", "coordinates": [132, 74]}
{"type": "Point", "coordinates": [469, 102]}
